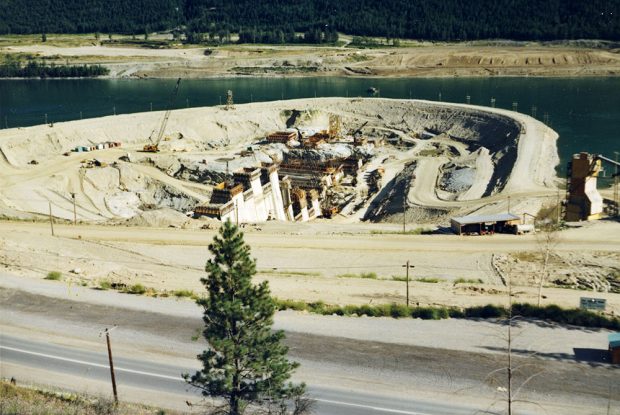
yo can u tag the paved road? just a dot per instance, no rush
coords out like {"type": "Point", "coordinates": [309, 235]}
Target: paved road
{"type": "Point", "coordinates": [166, 378]}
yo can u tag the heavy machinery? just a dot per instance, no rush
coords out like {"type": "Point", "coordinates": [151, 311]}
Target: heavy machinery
{"type": "Point", "coordinates": [583, 201]}
{"type": "Point", "coordinates": [154, 146]}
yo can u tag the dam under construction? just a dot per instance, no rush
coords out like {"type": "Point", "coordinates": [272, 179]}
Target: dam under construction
{"type": "Point", "coordinates": [379, 160]}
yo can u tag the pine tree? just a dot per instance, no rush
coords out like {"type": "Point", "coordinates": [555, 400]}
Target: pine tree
{"type": "Point", "coordinates": [246, 362]}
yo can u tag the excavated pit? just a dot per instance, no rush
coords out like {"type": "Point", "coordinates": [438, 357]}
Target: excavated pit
{"type": "Point", "coordinates": [477, 153]}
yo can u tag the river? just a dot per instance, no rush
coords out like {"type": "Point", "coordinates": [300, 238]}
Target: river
{"type": "Point", "coordinates": [584, 111]}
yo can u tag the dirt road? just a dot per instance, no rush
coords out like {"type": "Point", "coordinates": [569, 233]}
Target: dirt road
{"type": "Point", "coordinates": [310, 262]}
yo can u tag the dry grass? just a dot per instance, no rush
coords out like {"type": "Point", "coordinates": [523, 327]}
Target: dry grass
{"type": "Point", "coordinates": [527, 256]}
{"type": "Point", "coordinates": [17, 400]}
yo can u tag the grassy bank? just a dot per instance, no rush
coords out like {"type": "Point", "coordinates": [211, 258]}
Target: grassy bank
{"type": "Point", "coordinates": [552, 313]}
{"type": "Point", "coordinates": [17, 400]}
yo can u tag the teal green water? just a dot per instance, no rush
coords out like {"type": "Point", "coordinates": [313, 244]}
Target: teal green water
{"type": "Point", "coordinates": [584, 111]}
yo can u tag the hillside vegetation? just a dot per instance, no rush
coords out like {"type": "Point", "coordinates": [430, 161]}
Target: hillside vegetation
{"type": "Point", "coordinates": [420, 19]}
{"type": "Point", "coordinates": [17, 400]}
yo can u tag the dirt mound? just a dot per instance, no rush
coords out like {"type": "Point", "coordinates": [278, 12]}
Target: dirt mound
{"type": "Point", "coordinates": [160, 218]}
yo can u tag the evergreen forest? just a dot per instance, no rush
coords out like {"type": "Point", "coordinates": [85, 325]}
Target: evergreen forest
{"type": "Point", "coordinates": [277, 21]}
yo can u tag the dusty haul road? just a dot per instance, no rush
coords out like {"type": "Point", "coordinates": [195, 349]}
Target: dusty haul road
{"type": "Point", "coordinates": [315, 261]}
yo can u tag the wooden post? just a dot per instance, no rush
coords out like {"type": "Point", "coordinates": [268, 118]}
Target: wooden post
{"type": "Point", "coordinates": [51, 219]}
{"type": "Point", "coordinates": [107, 338]}
{"type": "Point", "coordinates": [404, 213]}
{"type": "Point", "coordinates": [407, 283]}
{"type": "Point", "coordinates": [407, 266]}
{"type": "Point", "coordinates": [74, 209]}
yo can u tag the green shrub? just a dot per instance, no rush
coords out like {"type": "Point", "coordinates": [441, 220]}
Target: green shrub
{"type": "Point", "coordinates": [183, 293]}
{"type": "Point", "coordinates": [317, 307]}
{"type": "Point", "coordinates": [399, 310]}
{"type": "Point", "coordinates": [290, 305]}
{"type": "Point", "coordinates": [137, 289]}
{"type": "Point", "coordinates": [105, 285]}
{"type": "Point", "coordinates": [487, 311]}
{"type": "Point", "coordinates": [54, 276]}
{"type": "Point", "coordinates": [351, 309]}
{"type": "Point", "coordinates": [429, 280]}
{"type": "Point", "coordinates": [454, 312]}
{"type": "Point", "coordinates": [367, 310]}
{"type": "Point", "coordinates": [576, 317]}
{"type": "Point", "coordinates": [366, 275]}
{"type": "Point", "coordinates": [425, 313]}
{"type": "Point", "coordinates": [468, 281]}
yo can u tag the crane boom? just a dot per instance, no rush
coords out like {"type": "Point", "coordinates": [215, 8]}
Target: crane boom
{"type": "Point", "coordinates": [608, 160]}
{"type": "Point", "coordinates": [154, 148]}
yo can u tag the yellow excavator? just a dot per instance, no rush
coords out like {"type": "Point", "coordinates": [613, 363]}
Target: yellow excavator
{"type": "Point", "coordinates": [154, 146]}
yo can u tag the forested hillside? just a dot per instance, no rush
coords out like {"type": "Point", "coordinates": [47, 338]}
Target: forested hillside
{"type": "Point", "coordinates": [83, 16]}
{"type": "Point", "coordinates": [419, 19]}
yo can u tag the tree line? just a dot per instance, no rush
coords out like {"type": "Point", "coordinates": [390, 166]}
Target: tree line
{"type": "Point", "coordinates": [274, 21]}
{"type": "Point", "coordinates": [34, 69]}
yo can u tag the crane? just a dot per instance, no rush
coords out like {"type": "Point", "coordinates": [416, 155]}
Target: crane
{"type": "Point", "coordinates": [154, 146]}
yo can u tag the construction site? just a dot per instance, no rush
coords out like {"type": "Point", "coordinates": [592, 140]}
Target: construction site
{"type": "Point", "coordinates": [375, 160]}
{"type": "Point", "coordinates": [329, 185]}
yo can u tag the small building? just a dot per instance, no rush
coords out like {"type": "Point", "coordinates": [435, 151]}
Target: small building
{"type": "Point", "coordinates": [485, 224]}
{"type": "Point", "coordinates": [614, 348]}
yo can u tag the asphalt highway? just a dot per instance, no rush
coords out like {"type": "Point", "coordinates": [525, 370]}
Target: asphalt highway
{"type": "Point", "coordinates": [156, 376]}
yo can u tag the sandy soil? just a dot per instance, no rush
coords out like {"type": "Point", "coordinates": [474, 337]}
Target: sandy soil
{"type": "Point", "coordinates": [308, 262]}
{"type": "Point", "coordinates": [425, 59]}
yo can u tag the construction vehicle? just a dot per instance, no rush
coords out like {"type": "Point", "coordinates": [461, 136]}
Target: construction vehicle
{"type": "Point", "coordinates": [154, 146]}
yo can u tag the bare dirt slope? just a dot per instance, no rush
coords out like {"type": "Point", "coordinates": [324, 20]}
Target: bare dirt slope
{"type": "Point", "coordinates": [424, 59]}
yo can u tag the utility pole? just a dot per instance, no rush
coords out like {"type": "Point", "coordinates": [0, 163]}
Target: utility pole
{"type": "Point", "coordinates": [404, 214]}
{"type": "Point", "coordinates": [616, 179]}
{"type": "Point", "coordinates": [559, 208]}
{"type": "Point", "coordinates": [51, 219]}
{"type": "Point", "coordinates": [74, 209]}
{"type": "Point", "coordinates": [407, 266]}
{"type": "Point", "coordinates": [509, 371]}
{"type": "Point", "coordinates": [107, 339]}
{"type": "Point", "coordinates": [508, 204]}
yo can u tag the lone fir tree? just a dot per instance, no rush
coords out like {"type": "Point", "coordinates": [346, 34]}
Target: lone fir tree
{"type": "Point", "coordinates": [246, 361]}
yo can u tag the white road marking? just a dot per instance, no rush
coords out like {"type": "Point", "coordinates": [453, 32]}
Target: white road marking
{"type": "Point", "coordinates": [374, 408]}
{"type": "Point", "coordinates": [82, 362]}
{"type": "Point", "coordinates": [140, 372]}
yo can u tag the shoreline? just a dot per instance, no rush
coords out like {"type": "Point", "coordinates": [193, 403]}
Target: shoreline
{"type": "Point", "coordinates": [436, 61]}
{"type": "Point", "coordinates": [323, 75]}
